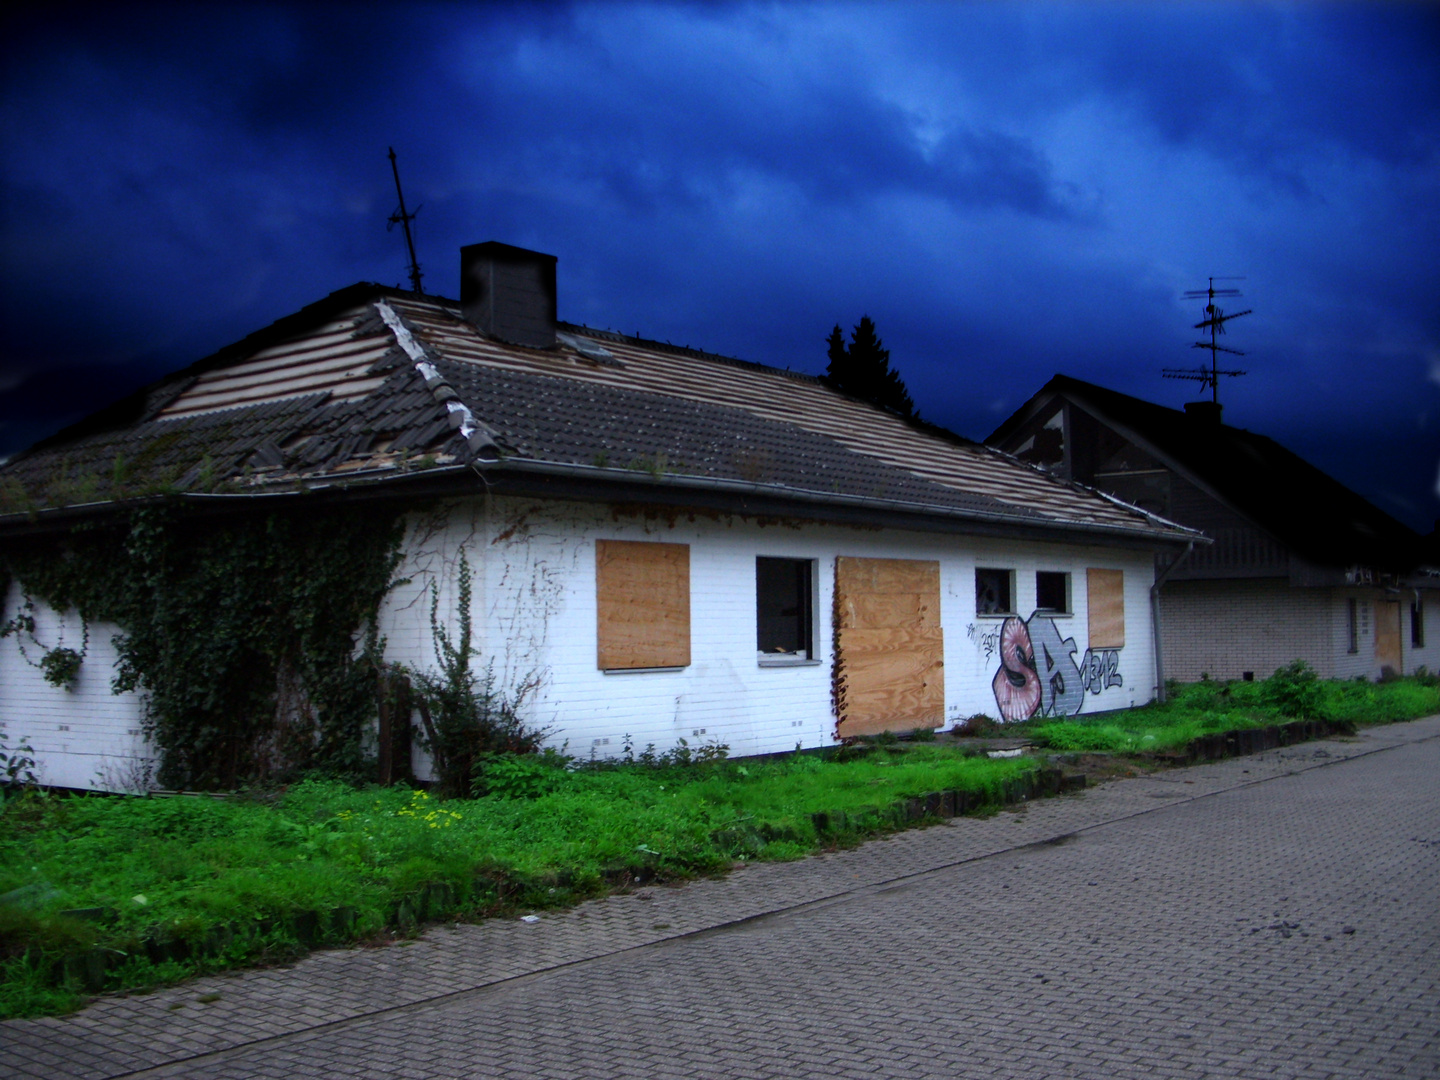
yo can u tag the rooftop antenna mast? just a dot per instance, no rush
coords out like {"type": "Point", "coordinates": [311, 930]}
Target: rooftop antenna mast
{"type": "Point", "coordinates": [1214, 321]}
{"type": "Point", "coordinates": [400, 217]}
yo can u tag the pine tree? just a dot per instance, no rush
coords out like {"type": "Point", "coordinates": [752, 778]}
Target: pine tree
{"type": "Point", "coordinates": [864, 369]}
{"type": "Point", "coordinates": [839, 372]}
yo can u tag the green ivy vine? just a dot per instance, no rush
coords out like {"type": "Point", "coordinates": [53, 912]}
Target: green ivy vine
{"type": "Point", "coordinates": [59, 665]}
{"type": "Point", "coordinates": [252, 638]}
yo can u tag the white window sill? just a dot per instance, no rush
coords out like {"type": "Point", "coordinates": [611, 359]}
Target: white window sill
{"type": "Point", "coordinates": [765, 660]}
{"type": "Point", "coordinates": [637, 670]}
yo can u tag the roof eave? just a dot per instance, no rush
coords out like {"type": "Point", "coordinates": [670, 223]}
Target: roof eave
{"type": "Point", "coordinates": [522, 476]}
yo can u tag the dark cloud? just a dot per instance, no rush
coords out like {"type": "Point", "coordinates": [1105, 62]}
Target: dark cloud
{"type": "Point", "coordinates": [1009, 191]}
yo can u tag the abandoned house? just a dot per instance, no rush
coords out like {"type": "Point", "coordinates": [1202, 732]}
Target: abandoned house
{"type": "Point", "coordinates": [1300, 566]}
{"type": "Point", "coordinates": [663, 543]}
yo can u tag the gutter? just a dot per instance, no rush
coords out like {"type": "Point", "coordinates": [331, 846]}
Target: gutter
{"type": "Point", "coordinates": [744, 487]}
{"type": "Point", "coordinates": [1155, 619]}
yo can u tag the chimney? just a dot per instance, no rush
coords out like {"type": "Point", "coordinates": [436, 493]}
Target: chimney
{"type": "Point", "coordinates": [509, 293]}
{"type": "Point", "coordinates": [1204, 412]}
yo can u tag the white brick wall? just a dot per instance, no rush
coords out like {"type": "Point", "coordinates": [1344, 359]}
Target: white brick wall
{"type": "Point", "coordinates": [83, 738]}
{"type": "Point", "coordinates": [533, 607]}
{"type": "Point", "coordinates": [537, 610]}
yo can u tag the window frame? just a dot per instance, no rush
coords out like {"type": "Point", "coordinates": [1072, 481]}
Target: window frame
{"type": "Point", "coordinates": [808, 604]}
{"type": "Point", "coordinates": [1009, 578]}
{"type": "Point", "coordinates": [1417, 623]}
{"type": "Point", "coordinates": [1352, 625]}
{"type": "Point", "coordinates": [1068, 604]}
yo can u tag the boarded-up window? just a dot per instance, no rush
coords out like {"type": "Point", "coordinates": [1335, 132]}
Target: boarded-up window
{"type": "Point", "coordinates": [1105, 592]}
{"type": "Point", "coordinates": [889, 647]}
{"type": "Point", "coordinates": [642, 604]}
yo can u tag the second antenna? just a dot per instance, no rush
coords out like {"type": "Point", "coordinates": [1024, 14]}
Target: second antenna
{"type": "Point", "coordinates": [403, 219]}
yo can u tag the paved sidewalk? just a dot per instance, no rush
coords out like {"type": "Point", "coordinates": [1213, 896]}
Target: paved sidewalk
{"type": "Point", "coordinates": [1178, 924]}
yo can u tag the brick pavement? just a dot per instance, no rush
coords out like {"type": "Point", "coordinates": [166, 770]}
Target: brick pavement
{"type": "Point", "coordinates": [1172, 925]}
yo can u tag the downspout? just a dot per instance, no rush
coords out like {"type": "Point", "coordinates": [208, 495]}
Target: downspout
{"type": "Point", "coordinates": [1155, 619]}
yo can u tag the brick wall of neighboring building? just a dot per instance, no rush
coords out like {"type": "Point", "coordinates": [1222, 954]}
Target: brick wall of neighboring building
{"type": "Point", "coordinates": [1226, 628]}
{"type": "Point", "coordinates": [1428, 654]}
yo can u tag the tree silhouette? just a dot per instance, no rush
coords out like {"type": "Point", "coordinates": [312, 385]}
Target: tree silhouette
{"type": "Point", "coordinates": [863, 369]}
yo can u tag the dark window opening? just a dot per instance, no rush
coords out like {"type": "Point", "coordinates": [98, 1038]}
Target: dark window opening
{"type": "Point", "coordinates": [783, 606]}
{"type": "Point", "coordinates": [1052, 592]}
{"type": "Point", "coordinates": [1352, 626]}
{"type": "Point", "coordinates": [992, 591]}
{"type": "Point", "coordinates": [1417, 624]}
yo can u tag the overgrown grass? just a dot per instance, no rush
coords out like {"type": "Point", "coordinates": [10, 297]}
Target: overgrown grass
{"type": "Point", "coordinates": [1206, 708]}
{"type": "Point", "coordinates": [188, 884]}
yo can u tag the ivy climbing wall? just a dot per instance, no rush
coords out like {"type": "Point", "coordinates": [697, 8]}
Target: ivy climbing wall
{"type": "Point", "coordinates": [86, 736]}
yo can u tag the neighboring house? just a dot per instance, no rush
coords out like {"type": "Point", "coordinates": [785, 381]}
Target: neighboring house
{"type": "Point", "coordinates": [1300, 568]}
{"type": "Point", "coordinates": [674, 544]}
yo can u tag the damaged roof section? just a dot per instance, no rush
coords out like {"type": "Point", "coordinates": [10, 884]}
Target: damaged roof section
{"type": "Point", "coordinates": [373, 384]}
{"type": "Point", "coordinates": [341, 400]}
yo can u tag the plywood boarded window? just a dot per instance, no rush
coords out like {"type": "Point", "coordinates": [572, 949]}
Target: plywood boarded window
{"type": "Point", "coordinates": [889, 647]}
{"type": "Point", "coordinates": [1105, 592]}
{"type": "Point", "coordinates": [642, 604]}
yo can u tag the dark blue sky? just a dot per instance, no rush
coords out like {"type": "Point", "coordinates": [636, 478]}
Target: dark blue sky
{"type": "Point", "coordinates": [1009, 191]}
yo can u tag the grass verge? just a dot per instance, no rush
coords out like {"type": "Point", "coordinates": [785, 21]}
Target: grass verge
{"type": "Point", "coordinates": [116, 893]}
{"type": "Point", "coordinates": [1197, 710]}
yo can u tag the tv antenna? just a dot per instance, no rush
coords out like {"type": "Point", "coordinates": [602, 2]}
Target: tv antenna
{"type": "Point", "coordinates": [1214, 321]}
{"type": "Point", "coordinates": [400, 217]}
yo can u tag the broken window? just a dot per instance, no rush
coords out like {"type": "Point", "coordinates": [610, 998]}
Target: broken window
{"type": "Point", "coordinates": [994, 591]}
{"type": "Point", "coordinates": [1052, 592]}
{"type": "Point", "coordinates": [1045, 448]}
{"type": "Point", "coordinates": [642, 604]}
{"type": "Point", "coordinates": [784, 608]}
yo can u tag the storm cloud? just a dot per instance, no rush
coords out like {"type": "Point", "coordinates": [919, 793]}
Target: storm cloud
{"type": "Point", "coordinates": [1009, 191]}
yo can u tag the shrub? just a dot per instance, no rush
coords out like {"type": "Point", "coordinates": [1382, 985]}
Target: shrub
{"type": "Point", "coordinates": [464, 716]}
{"type": "Point", "coordinates": [1294, 690]}
{"type": "Point", "coordinates": [17, 767]}
{"type": "Point", "coordinates": [519, 776]}
{"type": "Point", "coordinates": [979, 724]}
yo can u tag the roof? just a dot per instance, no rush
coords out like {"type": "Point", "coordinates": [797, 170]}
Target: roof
{"type": "Point", "coordinates": [1306, 510]}
{"type": "Point", "coordinates": [375, 390]}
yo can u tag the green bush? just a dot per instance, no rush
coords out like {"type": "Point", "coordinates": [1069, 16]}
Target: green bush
{"type": "Point", "coordinates": [519, 776]}
{"type": "Point", "coordinates": [1294, 690]}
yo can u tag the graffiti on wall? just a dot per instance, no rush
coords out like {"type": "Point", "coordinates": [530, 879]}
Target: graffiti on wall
{"type": "Point", "coordinates": [1038, 675]}
{"type": "Point", "coordinates": [987, 641]}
